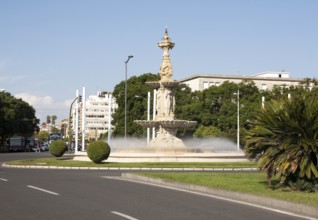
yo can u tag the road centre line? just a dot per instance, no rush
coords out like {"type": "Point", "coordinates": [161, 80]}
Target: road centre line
{"type": "Point", "coordinates": [123, 215]}
{"type": "Point", "coordinates": [214, 196]}
{"type": "Point", "coordinates": [4, 180]}
{"type": "Point", "coordinates": [43, 190]}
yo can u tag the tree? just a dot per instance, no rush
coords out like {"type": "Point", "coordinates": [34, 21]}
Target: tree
{"type": "Point", "coordinates": [285, 139]}
{"type": "Point", "coordinates": [217, 106]}
{"type": "Point", "coordinates": [207, 132]}
{"type": "Point", "coordinates": [48, 119]}
{"type": "Point", "coordinates": [136, 107]}
{"type": "Point", "coordinates": [43, 136]}
{"type": "Point", "coordinates": [53, 118]}
{"type": "Point", "coordinates": [16, 117]}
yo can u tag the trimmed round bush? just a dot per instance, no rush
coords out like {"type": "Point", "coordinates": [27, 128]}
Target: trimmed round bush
{"type": "Point", "coordinates": [98, 151]}
{"type": "Point", "coordinates": [57, 148]}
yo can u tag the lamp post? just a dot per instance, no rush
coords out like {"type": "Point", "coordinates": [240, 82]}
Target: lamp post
{"type": "Point", "coordinates": [69, 124]}
{"type": "Point", "coordinates": [126, 62]}
{"type": "Point", "coordinates": [238, 119]}
{"type": "Point", "coordinates": [148, 114]}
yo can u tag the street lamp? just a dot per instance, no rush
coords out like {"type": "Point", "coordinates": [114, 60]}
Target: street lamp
{"type": "Point", "coordinates": [148, 114]}
{"type": "Point", "coordinates": [78, 98]}
{"type": "Point", "coordinates": [238, 119]}
{"type": "Point", "coordinates": [126, 62]}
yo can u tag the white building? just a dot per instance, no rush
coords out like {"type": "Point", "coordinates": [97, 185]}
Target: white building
{"type": "Point", "coordinates": [264, 81]}
{"type": "Point", "coordinates": [97, 116]}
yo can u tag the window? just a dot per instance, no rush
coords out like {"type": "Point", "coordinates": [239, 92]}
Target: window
{"type": "Point", "coordinates": [205, 85]}
{"type": "Point", "coordinates": [264, 86]}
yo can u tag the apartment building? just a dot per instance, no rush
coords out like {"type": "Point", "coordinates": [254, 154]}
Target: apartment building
{"type": "Point", "coordinates": [97, 114]}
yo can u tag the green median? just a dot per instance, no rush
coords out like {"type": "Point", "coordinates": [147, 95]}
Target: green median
{"type": "Point", "coordinates": [68, 162]}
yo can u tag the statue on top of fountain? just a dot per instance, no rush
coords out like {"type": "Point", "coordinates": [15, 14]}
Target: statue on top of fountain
{"type": "Point", "coordinates": [166, 67]}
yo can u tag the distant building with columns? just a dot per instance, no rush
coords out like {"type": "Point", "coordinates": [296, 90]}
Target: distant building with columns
{"type": "Point", "coordinates": [263, 81]}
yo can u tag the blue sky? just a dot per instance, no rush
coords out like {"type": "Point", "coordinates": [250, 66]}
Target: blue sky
{"type": "Point", "coordinates": [50, 48]}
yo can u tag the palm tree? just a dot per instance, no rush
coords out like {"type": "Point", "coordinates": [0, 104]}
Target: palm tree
{"type": "Point", "coordinates": [54, 117]}
{"type": "Point", "coordinates": [284, 139]}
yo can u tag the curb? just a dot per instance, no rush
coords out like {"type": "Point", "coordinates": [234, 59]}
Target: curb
{"type": "Point", "coordinates": [311, 212]}
{"type": "Point", "coordinates": [130, 168]}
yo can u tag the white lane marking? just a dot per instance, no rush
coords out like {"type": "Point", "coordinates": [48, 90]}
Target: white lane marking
{"type": "Point", "coordinates": [5, 180]}
{"type": "Point", "coordinates": [123, 215]}
{"type": "Point", "coordinates": [43, 190]}
{"type": "Point", "coordinates": [215, 197]}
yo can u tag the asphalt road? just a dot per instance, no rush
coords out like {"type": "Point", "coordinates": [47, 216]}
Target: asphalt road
{"type": "Point", "coordinates": [83, 194]}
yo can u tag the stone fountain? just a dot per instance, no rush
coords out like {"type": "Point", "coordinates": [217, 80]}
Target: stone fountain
{"type": "Point", "coordinates": [166, 147]}
{"type": "Point", "coordinates": [166, 126]}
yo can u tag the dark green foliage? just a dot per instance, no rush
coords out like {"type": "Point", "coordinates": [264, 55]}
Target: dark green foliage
{"type": "Point", "coordinates": [16, 117]}
{"type": "Point", "coordinates": [58, 148]}
{"type": "Point", "coordinates": [136, 106]}
{"type": "Point", "coordinates": [285, 139]}
{"type": "Point", "coordinates": [98, 151]}
{"type": "Point", "coordinates": [207, 132]}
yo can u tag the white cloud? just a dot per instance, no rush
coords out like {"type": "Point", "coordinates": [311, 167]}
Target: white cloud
{"type": "Point", "coordinates": [35, 100]}
{"type": "Point", "coordinates": [45, 106]}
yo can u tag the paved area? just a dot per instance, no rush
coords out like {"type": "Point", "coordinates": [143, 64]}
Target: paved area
{"type": "Point", "coordinates": [267, 203]}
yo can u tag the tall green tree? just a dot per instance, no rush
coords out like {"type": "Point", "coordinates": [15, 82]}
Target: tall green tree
{"type": "Point", "coordinates": [53, 118]}
{"type": "Point", "coordinates": [217, 106]}
{"type": "Point", "coordinates": [285, 139]}
{"type": "Point", "coordinates": [16, 117]}
{"type": "Point", "coordinates": [43, 136]}
{"type": "Point", "coordinates": [48, 119]}
{"type": "Point", "coordinates": [136, 106]}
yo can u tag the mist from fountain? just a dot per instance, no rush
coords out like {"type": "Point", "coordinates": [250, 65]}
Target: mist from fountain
{"type": "Point", "coordinates": [202, 145]}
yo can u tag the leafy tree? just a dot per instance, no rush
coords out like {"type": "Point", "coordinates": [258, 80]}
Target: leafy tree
{"type": "Point", "coordinates": [136, 107]}
{"type": "Point", "coordinates": [285, 139]}
{"type": "Point", "coordinates": [217, 106]}
{"type": "Point", "coordinates": [54, 129]}
{"type": "Point", "coordinates": [16, 117]}
{"type": "Point", "coordinates": [207, 132]}
{"type": "Point", "coordinates": [43, 136]}
{"type": "Point", "coordinates": [53, 118]}
{"type": "Point", "coordinates": [48, 119]}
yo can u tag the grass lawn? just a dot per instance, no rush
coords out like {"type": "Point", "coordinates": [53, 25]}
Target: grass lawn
{"type": "Point", "coordinates": [64, 161]}
{"type": "Point", "coordinates": [252, 183]}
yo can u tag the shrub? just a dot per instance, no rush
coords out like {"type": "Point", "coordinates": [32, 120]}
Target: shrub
{"type": "Point", "coordinates": [98, 151]}
{"type": "Point", "coordinates": [57, 148]}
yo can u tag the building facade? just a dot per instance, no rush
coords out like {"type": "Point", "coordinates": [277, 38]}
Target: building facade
{"type": "Point", "coordinates": [98, 115]}
{"type": "Point", "coordinates": [264, 81]}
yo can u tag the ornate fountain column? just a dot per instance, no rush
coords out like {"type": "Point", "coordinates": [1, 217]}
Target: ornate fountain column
{"type": "Point", "coordinates": [165, 124]}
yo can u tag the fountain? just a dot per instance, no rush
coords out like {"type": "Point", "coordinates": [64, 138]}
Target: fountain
{"type": "Point", "coordinates": [165, 125]}
{"type": "Point", "coordinates": [165, 147]}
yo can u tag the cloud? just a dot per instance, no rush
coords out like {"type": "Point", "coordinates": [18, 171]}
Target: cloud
{"type": "Point", "coordinates": [45, 105]}
{"type": "Point", "coordinates": [35, 100]}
